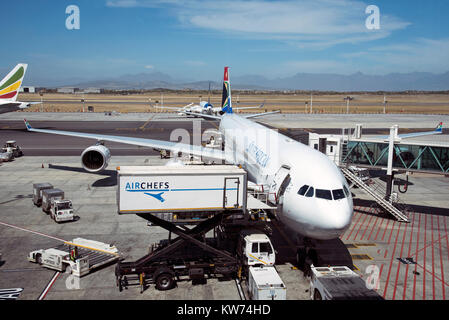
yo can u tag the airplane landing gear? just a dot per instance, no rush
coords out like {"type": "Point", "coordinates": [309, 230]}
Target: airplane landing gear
{"type": "Point", "coordinates": [306, 256]}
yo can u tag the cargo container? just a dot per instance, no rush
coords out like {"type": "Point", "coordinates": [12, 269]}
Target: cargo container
{"type": "Point", "coordinates": [264, 283]}
{"type": "Point", "coordinates": [37, 192]}
{"type": "Point", "coordinates": [151, 189]}
{"type": "Point", "coordinates": [49, 195]}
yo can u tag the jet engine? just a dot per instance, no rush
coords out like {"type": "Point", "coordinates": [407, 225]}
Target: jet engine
{"type": "Point", "coordinates": [95, 158]}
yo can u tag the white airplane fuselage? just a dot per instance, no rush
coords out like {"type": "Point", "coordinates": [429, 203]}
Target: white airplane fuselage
{"type": "Point", "coordinates": [311, 217]}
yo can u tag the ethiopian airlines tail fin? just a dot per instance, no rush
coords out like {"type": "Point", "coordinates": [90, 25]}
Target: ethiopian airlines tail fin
{"type": "Point", "coordinates": [226, 104]}
{"type": "Point", "coordinates": [10, 85]}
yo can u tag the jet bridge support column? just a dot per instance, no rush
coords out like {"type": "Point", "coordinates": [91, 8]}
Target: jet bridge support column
{"type": "Point", "coordinates": [390, 173]}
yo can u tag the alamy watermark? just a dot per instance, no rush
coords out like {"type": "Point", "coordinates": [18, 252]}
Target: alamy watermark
{"type": "Point", "coordinates": [73, 21]}
{"type": "Point", "coordinates": [372, 22]}
{"type": "Point", "coordinates": [372, 281]}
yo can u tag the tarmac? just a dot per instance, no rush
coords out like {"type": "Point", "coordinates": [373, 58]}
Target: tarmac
{"type": "Point", "coordinates": [375, 242]}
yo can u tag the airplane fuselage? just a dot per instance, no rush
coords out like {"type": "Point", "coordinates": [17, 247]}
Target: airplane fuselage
{"type": "Point", "coordinates": [286, 165]}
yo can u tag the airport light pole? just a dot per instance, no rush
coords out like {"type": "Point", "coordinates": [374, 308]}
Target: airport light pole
{"type": "Point", "coordinates": [42, 100]}
{"type": "Point", "coordinates": [311, 103]}
{"type": "Point", "coordinates": [385, 104]}
{"type": "Point", "coordinates": [82, 100]}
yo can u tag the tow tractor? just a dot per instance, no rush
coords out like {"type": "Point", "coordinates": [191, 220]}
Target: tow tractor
{"type": "Point", "coordinates": [12, 147]}
{"type": "Point", "coordinates": [80, 255]}
{"type": "Point", "coordinates": [61, 210]}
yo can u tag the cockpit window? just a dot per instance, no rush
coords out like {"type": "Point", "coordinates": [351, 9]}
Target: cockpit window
{"type": "Point", "coordinates": [338, 194]}
{"type": "Point", "coordinates": [346, 191]}
{"type": "Point", "coordinates": [310, 192]}
{"type": "Point", "coordinates": [323, 194]}
{"type": "Point", "coordinates": [303, 190]}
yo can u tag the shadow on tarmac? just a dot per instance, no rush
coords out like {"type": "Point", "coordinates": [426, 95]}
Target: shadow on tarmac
{"type": "Point", "coordinates": [109, 181]}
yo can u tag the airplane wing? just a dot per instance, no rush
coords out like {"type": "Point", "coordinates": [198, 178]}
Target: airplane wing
{"type": "Point", "coordinates": [151, 143]}
{"type": "Point", "coordinates": [170, 108]}
{"type": "Point", "coordinates": [245, 108]}
{"type": "Point", "coordinates": [260, 114]}
{"type": "Point", "coordinates": [197, 114]}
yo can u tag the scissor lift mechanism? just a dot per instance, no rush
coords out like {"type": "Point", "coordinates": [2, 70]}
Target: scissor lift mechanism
{"type": "Point", "coordinates": [167, 263]}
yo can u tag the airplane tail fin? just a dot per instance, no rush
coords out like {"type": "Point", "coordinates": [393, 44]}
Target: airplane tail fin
{"type": "Point", "coordinates": [10, 85]}
{"type": "Point", "coordinates": [226, 105]}
{"type": "Point", "coordinates": [439, 128]}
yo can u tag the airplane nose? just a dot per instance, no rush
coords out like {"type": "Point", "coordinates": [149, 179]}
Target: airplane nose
{"type": "Point", "coordinates": [342, 217]}
{"type": "Point", "coordinates": [339, 217]}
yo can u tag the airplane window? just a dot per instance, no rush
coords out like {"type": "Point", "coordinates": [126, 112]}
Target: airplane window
{"type": "Point", "coordinates": [255, 248]}
{"type": "Point", "coordinates": [346, 191]}
{"type": "Point", "coordinates": [338, 194]}
{"type": "Point", "coordinates": [310, 192]}
{"type": "Point", "coordinates": [303, 190]}
{"type": "Point", "coordinates": [323, 194]}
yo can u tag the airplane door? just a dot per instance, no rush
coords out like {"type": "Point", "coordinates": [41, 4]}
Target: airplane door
{"type": "Point", "coordinates": [280, 182]}
{"type": "Point", "coordinates": [231, 193]}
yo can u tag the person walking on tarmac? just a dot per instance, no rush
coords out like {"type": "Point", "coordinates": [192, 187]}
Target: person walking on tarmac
{"type": "Point", "coordinates": [73, 254]}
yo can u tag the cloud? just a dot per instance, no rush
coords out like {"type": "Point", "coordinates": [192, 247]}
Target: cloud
{"type": "Point", "coordinates": [309, 23]}
{"type": "Point", "coordinates": [149, 66]}
{"type": "Point", "coordinates": [195, 63]}
{"type": "Point", "coordinates": [420, 55]}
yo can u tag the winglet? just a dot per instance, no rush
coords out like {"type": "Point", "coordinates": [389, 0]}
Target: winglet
{"type": "Point", "coordinates": [27, 125]}
{"type": "Point", "coordinates": [439, 128]}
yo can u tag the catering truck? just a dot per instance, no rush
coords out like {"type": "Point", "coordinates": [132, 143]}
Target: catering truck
{"type": "Point", "coordinates": [220, 193]}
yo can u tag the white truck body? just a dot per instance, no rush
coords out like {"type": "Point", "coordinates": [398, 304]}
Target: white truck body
{"type": "Point", "coordinates": [61, 210]}
{"type": "Point", "coordinates": [180, 188]}
{"type": "Point", "coordinates": [264, 283]}
{"type": "Point", "coordinates": [339, 283]}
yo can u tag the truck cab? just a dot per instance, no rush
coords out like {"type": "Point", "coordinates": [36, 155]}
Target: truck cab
{"type": "Point", "coordinates": [257, 249]}
{"type": "Point", "coordinates": [61, 210]}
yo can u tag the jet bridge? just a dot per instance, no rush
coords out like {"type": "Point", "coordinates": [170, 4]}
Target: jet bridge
{"type": "Point", "coordinates": [421, 153]}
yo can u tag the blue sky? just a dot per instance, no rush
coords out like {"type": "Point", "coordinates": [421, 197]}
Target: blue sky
{"type": "Point", "coordinates": [195, 39]}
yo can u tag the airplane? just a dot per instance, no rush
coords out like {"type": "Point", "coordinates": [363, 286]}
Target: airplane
{"type": "Point", "coordinates": [9, 88]}
{"type": "Point", "coordinates": [310, 190]}
{"type": "Point", "coordinates": [204, 107]}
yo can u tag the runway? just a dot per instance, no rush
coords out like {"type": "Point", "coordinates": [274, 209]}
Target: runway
{"type": "Point", "coordinates": [40, 144]}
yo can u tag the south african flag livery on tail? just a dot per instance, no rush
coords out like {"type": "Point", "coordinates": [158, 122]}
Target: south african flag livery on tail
{"type": "Point", "coordinates": [10, 85]}
{"type": "Point", "coordinates": [226, 106]}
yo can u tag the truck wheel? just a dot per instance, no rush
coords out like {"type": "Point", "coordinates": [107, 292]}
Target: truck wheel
{"type": "Point", "coordinates": [317, 295]}
{"type": "Point", "coordinates": [39, 259]}
{"type": "Point", "coordinates": [164, 282]}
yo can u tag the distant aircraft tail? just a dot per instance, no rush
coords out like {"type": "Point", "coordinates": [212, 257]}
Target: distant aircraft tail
{"type": "Point", "coordinates": [226, 105]}
{"type": "Point", "coordinates": [10, 85]}
{"type": "Point", "coordinates": [439, 128]}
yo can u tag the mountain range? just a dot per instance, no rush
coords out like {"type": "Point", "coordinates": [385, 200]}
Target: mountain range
{"type": "Point", "coordinates": [419, 81]}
